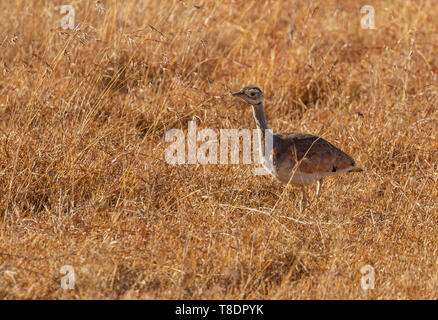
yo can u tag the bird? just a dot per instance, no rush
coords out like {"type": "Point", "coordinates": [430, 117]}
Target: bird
{"type": "Point", "coordinates": [296, 158]}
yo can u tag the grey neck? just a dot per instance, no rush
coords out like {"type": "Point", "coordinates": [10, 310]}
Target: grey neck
{"type": "Point", "coordinates": [259, 116]}
{"type": "Point", "coordinates": [265, 138]}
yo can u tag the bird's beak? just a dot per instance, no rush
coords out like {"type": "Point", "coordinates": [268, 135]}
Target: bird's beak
{"type": "Point", "coordinates": [237, 94]}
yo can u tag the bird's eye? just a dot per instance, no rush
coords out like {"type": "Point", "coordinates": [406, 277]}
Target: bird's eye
{"type": "Point", "coordinates": [252, 94]}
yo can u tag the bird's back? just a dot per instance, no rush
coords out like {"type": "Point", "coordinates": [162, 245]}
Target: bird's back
{"type": "Point", "coordinates": [308, 157]}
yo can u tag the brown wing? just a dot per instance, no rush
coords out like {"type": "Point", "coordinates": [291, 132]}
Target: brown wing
{"type": "Point", "coordinates": [316, 154]}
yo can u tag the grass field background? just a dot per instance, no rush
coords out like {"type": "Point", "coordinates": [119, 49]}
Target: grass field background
{"type": "Point", "coordinates": [83, 180]}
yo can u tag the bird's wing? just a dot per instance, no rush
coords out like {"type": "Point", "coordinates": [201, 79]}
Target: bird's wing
{"type": "Point", "coordinates": [314, 154]}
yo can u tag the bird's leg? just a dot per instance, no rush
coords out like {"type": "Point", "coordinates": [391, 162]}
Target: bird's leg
{"type": "Point", "coordinates": [304, 200]}
{"type": "Point", "coordinates": [318, 188]}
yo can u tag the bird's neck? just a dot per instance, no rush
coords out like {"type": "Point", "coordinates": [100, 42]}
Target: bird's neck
{"type": "Point", "coordinates": [266, 140]}
{"type": "Point", "coordinates": [259, 116]}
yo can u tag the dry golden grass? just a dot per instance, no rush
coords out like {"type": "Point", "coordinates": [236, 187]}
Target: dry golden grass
{"type": "Point", "coordinates": [84, 182]}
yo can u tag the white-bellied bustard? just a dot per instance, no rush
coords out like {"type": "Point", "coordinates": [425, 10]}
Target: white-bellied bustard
{"type": "Point", "coordinates": [300, 158]}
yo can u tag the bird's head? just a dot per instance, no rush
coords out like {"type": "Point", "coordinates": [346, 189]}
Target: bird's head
{"type": "Point", "coordinates": [251, 95]}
